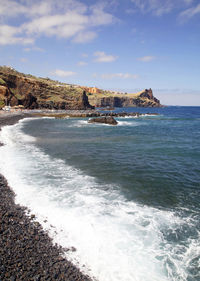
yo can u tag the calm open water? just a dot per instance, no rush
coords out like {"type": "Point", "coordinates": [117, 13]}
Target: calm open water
{"type": "Point", "coordinates": [127, 197]}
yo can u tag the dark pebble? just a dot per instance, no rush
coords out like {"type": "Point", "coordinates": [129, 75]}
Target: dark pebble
{"type": "Point", "coordinates": [26, 251]}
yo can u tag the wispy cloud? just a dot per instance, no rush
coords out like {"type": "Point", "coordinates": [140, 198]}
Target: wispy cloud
{"type": "Point", "coordinates": [63, 73]}
{"type": "Point", "coordinates": [160, 7]}
{"type": "Point", "coordinates": [146, 58]}
{"type": "Point", "coordinates": [69, 19]}
{"type": "Point", "coordinates": [157, 7]}
{"type": "Point", "coordinates": [188, 2]}
{"type": "Point", "coordinates": [24, 60]}
{"type": "Point", "coordinates": [190, 12]}
{"type": "Point", "coordinates": [34, 48]}
{"type": "Point", "coordinates": [85, 37]}
{"type": "Point", "coordinates": [119, 75]}
{"type": "Point", "coordinates": [103, 57]}
{"type": "Point", "coordinates": [84, 55]}
{"type": "Point", "coordinates": [82, 63]}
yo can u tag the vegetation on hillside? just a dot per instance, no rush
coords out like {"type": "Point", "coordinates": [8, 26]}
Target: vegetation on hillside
{"type": "Point", "coordinates": [48, 93]}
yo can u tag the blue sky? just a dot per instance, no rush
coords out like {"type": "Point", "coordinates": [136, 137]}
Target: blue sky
{"type": "Point", "coordinates": [120, 45]}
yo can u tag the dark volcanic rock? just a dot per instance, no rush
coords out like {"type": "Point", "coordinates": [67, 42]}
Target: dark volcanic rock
{"type": "Point", "coordinates": [30, 101]}
{"type": "Point", "coordinates": [26, 251]}
{"type": "Point", "coordinates": [106, 120]}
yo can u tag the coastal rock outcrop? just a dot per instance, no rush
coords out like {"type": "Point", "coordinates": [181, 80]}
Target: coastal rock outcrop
{"type": "Point", "coordinates": [32, 92]}
{"type": "Point", "coordinates": [105, 120]}
{"type": "Point", "coordinates": [144, 98]}
{"type": "Point", "coordinates": [43, 93]}
{"type": "Point", "coordinates": [30, 101]}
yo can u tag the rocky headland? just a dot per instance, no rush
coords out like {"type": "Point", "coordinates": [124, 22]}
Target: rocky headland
{"type": "Point", "coordinates": [144, 98]}
{"type": "Point", "coordinates": [30, 92]}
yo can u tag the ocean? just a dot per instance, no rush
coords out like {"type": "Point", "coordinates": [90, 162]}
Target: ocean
{"type": "Point", "coordinates": [124, 200]}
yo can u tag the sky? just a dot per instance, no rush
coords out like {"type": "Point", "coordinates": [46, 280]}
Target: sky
{"type": "Point", "coordinates": [120, 45]}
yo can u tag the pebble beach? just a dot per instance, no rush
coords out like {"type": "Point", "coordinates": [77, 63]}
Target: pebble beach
{"type": "Point", "coordinates": [26, 250]}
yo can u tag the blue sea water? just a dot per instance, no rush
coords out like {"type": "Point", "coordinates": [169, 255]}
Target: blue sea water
{"type": "Point", "coordinates": [127, 197]}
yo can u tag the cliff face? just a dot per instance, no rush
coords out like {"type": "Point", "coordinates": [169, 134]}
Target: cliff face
{"type": "Point", "coordinates": [142, 99]}
{"type": "Point", "coordinates": [32, 92]}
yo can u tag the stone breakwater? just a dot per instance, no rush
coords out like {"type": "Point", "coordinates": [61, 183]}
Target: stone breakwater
{"type": "Point", "coordinates": [26, 250]}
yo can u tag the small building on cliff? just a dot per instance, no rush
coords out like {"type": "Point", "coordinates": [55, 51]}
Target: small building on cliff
{"type": "Point", "coordinates": [94, 90]}
{"type": "Point", "coordinates": [91, 90]}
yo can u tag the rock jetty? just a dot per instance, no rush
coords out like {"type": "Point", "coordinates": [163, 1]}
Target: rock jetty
{"type": "Point", "coordinates": [87, 113]}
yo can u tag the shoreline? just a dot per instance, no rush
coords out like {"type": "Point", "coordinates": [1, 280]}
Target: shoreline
{"type": "Point", "coordinates": [26, 250]}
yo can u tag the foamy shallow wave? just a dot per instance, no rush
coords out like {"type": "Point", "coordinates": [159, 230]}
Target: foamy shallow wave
{"type": "Point", "coordinates": [84, 123]}
{"type": "Point", "coordinates": [128, 123]}
{"type": "Point", "coordinates": [116, 239]}
{"type": "Point", "coordinates": [127, 117]}
{"type": "Point", "coordinates": [78, 123]}
{"type": "Point", "coordinates": [150, 115]}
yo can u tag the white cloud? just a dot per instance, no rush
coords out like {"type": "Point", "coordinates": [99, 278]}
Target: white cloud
{"type": "Point", "coordinates": [68, 19]}
{"type": "Point", "coordinates": [62, 73]}
{"type": "Point", "coordinates": [146, 58]}
{"type": "Point", "coordinates": [65, 25]}
{"type": "Point", "coordinates": [84, 37]}
{"type": "Point", "coordinates": [82, 63]}
{"type": "Point", "coordinates": [11, 8]}
{"type": "Point", "coordinates": [119, 75]}
{"type": "Point", "coordinates": [103, 57]}
{"type": "Point", "coordinates": [34, 8]}
{"type": "Point", "coordinates": [99, 16]}
{"type": "Point", "coordinates": [12, 35]}
{"type": "Point", "coordinates": [190, 12]}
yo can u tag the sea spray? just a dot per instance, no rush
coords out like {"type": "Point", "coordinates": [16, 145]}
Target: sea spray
{"type": "Point", "coordinates": [115, 238]}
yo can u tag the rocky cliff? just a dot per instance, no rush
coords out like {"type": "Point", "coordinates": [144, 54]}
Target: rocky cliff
{"type": "Point", "coordinates": [32, 92]}
{"type": "Point", "coordinates": [144, 98]}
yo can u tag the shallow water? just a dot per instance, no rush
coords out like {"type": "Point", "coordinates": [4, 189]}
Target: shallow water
{"type": "Point", "coordinates": [126, 197]}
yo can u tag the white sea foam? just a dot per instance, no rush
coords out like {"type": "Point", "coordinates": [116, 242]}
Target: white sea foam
{"type": "Point", "coordinates": [84, 123]}
{"type": "Point", "coordinates": [79, 123]}
{"type": "Point", "coordinates": [150, 115]}
{"type": "Point", "coordinates": [117, 240]}
{"type": "Point", "coordinates": [128, 123]}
